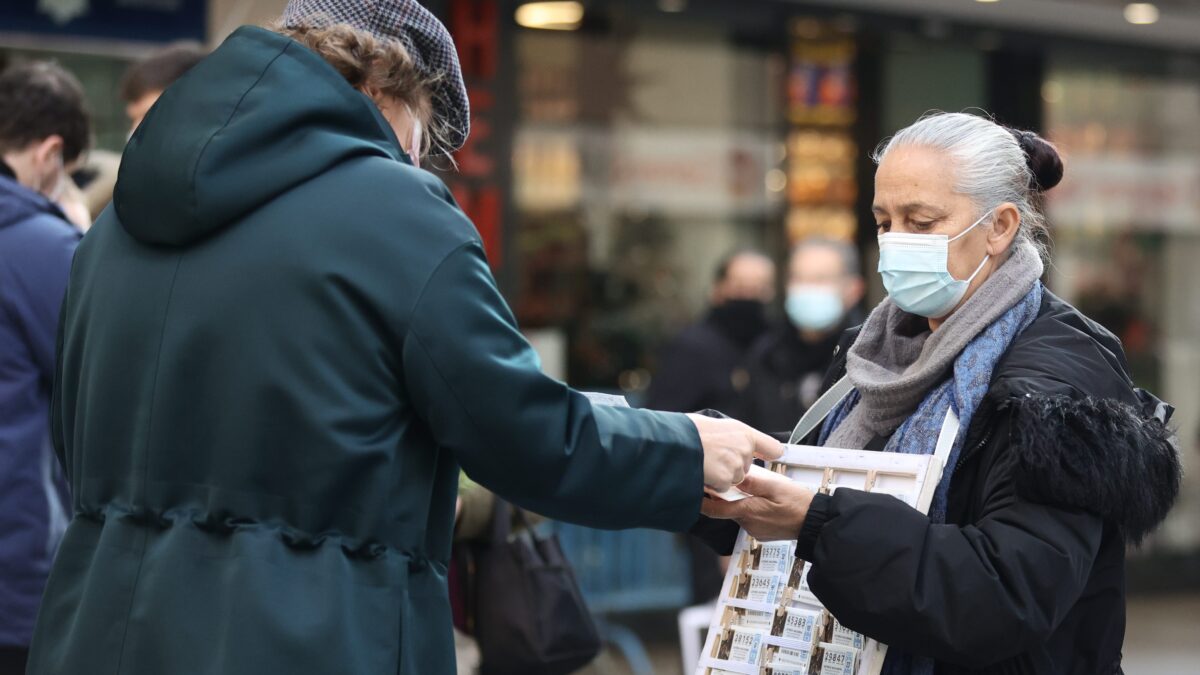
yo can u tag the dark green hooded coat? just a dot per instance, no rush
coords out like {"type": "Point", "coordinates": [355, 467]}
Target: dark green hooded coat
{"type": "Point", "coordinates": [277, 348]}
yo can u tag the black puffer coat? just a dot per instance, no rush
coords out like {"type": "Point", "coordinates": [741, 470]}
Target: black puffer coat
{"type": "Point", "coordinates": [1065, 463]}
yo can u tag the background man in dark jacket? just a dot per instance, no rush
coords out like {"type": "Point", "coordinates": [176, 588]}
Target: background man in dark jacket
{"type": "Point", "coordinates": [704, 366]}
{"type": "Point", "coordinates": [43, 126]}
{"type": "Point", "coordinates": [788, 364]}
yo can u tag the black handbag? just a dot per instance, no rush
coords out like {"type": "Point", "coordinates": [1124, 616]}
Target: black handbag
{"type": "Point", "coordinates": [530, 618]}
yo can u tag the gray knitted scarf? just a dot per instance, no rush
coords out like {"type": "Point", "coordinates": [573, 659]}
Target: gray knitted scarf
{"type": "Point", "coordinates": [896, 360]}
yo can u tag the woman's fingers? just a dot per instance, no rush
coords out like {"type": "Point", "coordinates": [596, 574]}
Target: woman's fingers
{"type": "Point", "coordinates": [761, 482]}
{"type": "Point", "coordinates": [766, 447]}
{"type": "Point", "coordinates": [719, 508]}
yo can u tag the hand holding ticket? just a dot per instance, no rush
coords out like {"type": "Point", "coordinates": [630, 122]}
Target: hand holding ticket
{"type": "Point", "coordinates": [729, 450]}
{"type": "Point", "coordinates": [733, 494]}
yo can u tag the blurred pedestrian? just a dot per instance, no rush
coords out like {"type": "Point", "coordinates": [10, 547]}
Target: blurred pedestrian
{"type": "Point", "coordinates": [1060, 463]}
{"type": "Point", "coordinates": [280, 344]}
{"type": "Point", "coordinates": [788, 364]}
{"type": "Point", "coordinates": [43, 128]}
{"type": "Point", "coordinates": [705, 365]}
{"type": "Point", "coordinates": [147, 79]}
{"type": "Point", "coordinates": [95, 178]}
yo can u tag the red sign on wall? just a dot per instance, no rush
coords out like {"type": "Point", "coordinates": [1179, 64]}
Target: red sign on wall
{"type": "Point", "coordinates": [479, 186]}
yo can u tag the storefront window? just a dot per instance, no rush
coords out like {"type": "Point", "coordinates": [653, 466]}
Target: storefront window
{"type": "Point", "coordinates": [642, 154]}
{"type": "Point", "coordinates": [1127, 229]}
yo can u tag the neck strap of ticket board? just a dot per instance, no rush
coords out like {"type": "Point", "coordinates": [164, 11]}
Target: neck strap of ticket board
{"type": "Point", "coordinates": [821, 409]}
{"type": "Point", "coordinates": [842, 388]}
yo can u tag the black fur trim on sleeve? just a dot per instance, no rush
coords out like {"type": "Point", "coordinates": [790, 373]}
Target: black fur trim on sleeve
{"type": "Point", "coordinates": [1095, 454]}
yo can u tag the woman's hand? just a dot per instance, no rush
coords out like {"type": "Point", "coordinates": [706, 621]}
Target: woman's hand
{"type": "Point", "coordinates": [730, 448]}
{"type": "Point", "coordinates": [775, 509]}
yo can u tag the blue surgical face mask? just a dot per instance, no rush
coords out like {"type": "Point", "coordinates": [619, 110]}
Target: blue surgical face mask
{"type": "Point", "coordinates": [812, 307]}
{"type": "Point", "coordinates": [915, 273]}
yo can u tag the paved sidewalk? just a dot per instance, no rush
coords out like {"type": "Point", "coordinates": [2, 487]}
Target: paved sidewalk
{"type": "Point", "coordinates": [1162, 638]}
{"type": "Point", "coordinates": [1162, 635]}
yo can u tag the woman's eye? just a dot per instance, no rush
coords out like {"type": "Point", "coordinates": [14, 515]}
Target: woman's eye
{"type": "Point", "coordinates": [918, 225]}
{"type": "Point", "coordinates": [884, 227]}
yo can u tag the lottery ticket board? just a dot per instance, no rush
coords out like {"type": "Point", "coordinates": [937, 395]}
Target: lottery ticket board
{"type": "Point", "coordinates": [766, 621]}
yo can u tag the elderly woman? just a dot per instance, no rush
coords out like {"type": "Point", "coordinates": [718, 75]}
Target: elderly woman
{"type": "Point", "coordinates": [1061, 462]}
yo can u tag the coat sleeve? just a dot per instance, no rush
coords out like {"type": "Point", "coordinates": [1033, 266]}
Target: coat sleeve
{"type": "Point", "coordinates": [968, 595]}
{"type": "Point", "coordinates": [477, 384]}
{"type": "Point", "coordinates": [36, 284]}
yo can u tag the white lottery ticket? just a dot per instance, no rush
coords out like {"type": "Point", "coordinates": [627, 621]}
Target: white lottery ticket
{"type": "Point", "coordinates": [801, 624]}
{"type": "Point", "coordinates": [763, 587]}
{"type": "Point", "coordinates": [611, 400]}
{"type": "Point", "coordinates": [751, 619]}
{"type": "Point", "coordinates": [786, 659]}
{"type": "Point", "coordinates": [746, 646]}
{"type": "Point", "coordinates": [838, 660]}
{"type": "Point", "coordinates": [776, 556]}
{"type": "Point", "coordinates": [845, 637]}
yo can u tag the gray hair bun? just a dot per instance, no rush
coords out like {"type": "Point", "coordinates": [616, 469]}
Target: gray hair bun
{"type": "Point", "coordinates": [1043, 159]}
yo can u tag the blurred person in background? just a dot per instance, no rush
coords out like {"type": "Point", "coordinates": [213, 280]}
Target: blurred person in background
{"type": "Point", "coordinates": [56, 184]}
{"type": "Point", "coordinates": [278, 348]}
{"type": "Point", "coordinates": [95, 179]}
{"type": "Point", "coordinates": [43, 128]}
{"type": "Point", "coordinates": [788, 364]}
{"type": "Point", "coordinates": [704, 368]}
{"type": "Point", "coordinates": [1060, 462]}
{"type": "Point", "coordinates": [145, 80]}
{"type": "Point", "coordinates": [705, 365]}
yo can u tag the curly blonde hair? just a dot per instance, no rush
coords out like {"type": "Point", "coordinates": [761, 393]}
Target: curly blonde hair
{"type": "Point", "coordinates": [377, 68]}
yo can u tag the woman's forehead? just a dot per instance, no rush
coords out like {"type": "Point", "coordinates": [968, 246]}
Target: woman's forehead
{"type": "Point", "coordinates": [914, 175]}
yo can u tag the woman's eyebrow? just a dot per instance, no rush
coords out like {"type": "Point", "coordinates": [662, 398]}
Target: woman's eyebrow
{"type": "Point", "coordinates": [912, 207]}
{"type": "Point", "coordinates": [909, 207]}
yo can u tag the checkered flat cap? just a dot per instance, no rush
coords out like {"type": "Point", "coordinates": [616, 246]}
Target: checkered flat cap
{"type": "Point", "coordinates": [425, 38]}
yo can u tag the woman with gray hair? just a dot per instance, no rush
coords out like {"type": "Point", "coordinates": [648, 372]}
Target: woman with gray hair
{"type": "Point", "coordinates": [1060, 464]}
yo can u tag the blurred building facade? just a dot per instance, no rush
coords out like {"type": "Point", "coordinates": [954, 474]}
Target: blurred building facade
{"type": "Point", "coordinates": [614, 161]}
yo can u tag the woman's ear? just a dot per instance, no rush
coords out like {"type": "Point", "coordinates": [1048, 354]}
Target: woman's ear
{"type": "Point", "coordinates": [1004, 229]}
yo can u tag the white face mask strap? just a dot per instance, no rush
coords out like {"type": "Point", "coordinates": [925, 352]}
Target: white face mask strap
{"type": "Point", "coordinates": [986, 257]}
{"type": "Point", "coordinates": [973, 226]}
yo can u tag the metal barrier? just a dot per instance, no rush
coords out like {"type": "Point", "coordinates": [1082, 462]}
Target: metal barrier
{"type": "Point", "coordinates": [627, 571]}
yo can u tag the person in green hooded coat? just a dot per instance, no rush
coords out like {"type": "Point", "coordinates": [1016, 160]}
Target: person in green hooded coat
{"type": "Point", "coordinates": [277, 348]}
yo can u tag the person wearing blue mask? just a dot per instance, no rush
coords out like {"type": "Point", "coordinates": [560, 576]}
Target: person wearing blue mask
{"type": "Point", "coordinates": [788, 364]}
{"type": "Point", "coordinates": [1059, 464]}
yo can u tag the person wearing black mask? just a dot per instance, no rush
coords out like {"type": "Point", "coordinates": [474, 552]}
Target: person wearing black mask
{"type": "Point", "coordinates": [788, 364]}
{"type": "Point", "coordinates": [704, 367]}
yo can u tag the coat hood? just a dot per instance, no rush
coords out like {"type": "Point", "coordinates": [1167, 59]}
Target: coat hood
{"type": "Point", "coordinates": [1083, 435]}
{"type": "Point", "coordinates": [259, 116]}
{"type": "Point", "coordinates": [18, 203]}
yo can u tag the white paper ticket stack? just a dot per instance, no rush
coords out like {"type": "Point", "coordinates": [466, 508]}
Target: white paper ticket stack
{"type": "Point", "coordinates": [767, 621]}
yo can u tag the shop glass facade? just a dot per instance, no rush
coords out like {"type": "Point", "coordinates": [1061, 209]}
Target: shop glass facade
{"type": "Point", "coordinates": [642, 154]}
{"type": "Point", "coordinates": [1126, 223]}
